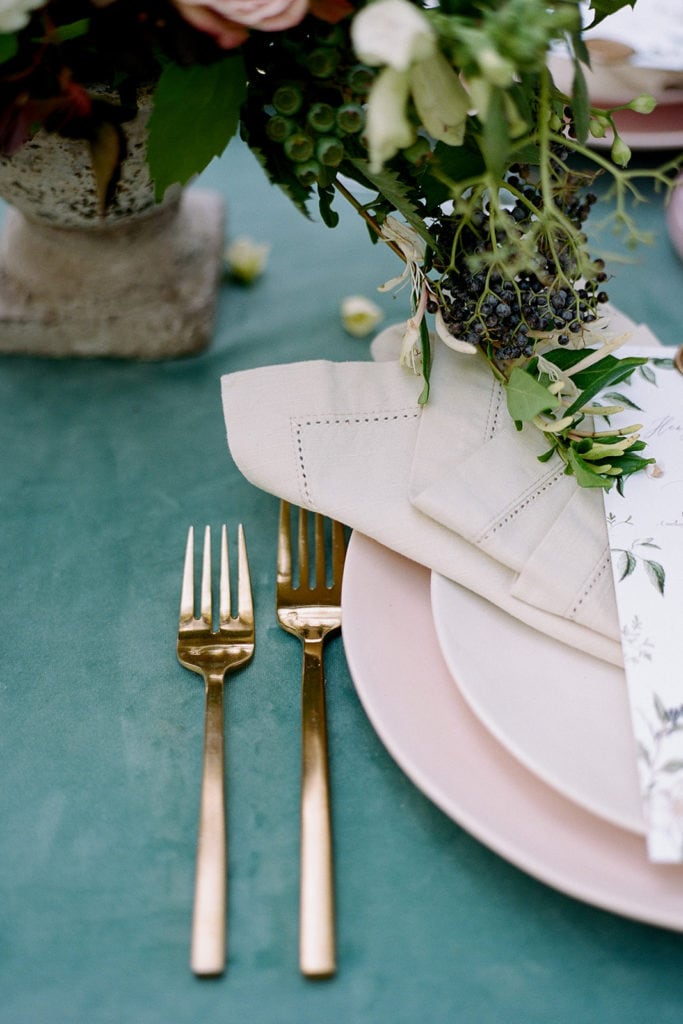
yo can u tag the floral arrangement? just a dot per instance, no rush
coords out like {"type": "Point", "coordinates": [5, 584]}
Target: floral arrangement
{"type": "Point", "coordinates": [479, 167]}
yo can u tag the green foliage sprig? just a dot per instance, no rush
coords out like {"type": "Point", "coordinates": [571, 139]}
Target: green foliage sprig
{"type": "Point", "coordinates": [556, 392]}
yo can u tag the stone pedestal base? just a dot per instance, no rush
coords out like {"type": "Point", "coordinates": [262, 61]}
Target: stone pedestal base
{"type": "Point", "coordinates": [140, 288]}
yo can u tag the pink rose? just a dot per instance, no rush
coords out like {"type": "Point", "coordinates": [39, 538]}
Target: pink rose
{"type": "Point", "coordinates": [229, 21]}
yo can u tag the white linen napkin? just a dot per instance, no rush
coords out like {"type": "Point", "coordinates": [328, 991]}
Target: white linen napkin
{"type": "Point", "coordinates": [451, 485]}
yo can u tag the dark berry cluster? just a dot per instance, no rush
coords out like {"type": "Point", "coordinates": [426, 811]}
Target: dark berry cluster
{"type": "Point", "coordinates": [506, 312]}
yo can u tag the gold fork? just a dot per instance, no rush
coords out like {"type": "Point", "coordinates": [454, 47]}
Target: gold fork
{"type": "Point", "coordinates": [211, 654]}
{"type": "Point", "coordinates": [311, 611]}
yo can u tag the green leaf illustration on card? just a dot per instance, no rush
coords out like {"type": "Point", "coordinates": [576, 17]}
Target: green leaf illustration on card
{"type": "Point", "coordinates": [627, 561]}
{"type": "Point", "coordinates": [626, 564]}
{"type": "Point", "coordinates": [655, 573]}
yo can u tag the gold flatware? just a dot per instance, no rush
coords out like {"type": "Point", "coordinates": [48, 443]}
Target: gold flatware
{"type": "Point", "coordinates": [311, 609]}
{"type": "Point", "coordinates": [211, 654]}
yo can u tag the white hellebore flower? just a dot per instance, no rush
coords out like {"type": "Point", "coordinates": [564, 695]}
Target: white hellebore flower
{"type": "Point", "coordinates": [394, 35]}
{"type": "Point", "coordinates": [387, 127]}
{"type": "Point", "coordinates": [392, 32]}
{"type": "Point", "coordinates": [359, 315]}
{"type": "Point", "coordinates": [246, 259]}
{"type": "Point", "coordinates": [440, 99]}
{"type": "Point", "coordinates": [14, 14]}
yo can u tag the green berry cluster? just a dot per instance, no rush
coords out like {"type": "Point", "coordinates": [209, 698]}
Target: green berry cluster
{"type": "Point", "coordinates": [315, 115]}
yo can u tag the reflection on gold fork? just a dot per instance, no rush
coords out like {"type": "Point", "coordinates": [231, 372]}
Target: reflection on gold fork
{"type": "Point", "coordinates": [212, 654]}
{"type": "Point", "coordinates": [312, 610]}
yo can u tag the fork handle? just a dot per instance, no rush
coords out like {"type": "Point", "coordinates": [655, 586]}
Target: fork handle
{"type": "Point", "coordinates": [208, 920]}
{"type": "Point", "coordinates": [316, 895]}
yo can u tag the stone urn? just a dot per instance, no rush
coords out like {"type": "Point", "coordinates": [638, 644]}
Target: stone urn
{"type": "Point", "coordinates": [139, 282]}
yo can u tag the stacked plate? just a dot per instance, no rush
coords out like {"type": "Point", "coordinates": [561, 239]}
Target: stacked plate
{"type": "Point", "coordinates": [637, 50]}
{"type": "Point", "coordinates": [523, 741]}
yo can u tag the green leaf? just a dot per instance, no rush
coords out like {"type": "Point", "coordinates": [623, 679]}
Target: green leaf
{"type": "Point", "coordinates": [458, 163]}
{"type": "Point", "coordinates": [426, 361]}
{"type": "Point", "coordinates": [8, 46]}
{"type": "Point", "coordinates": [587, 476]}
{"type": "Point", "coordinates": [607, 368]}
{"type": "Point", "coordinates": [564, 358]}
{"type": "Point", "coordinates": [626, 564]}
{"type": "Point", "coordinates": [660, 708]}
{"type": "Point", "coordinates": [580, 104]}
{"type": "Point", "coordinates": [527, 398]}
{"type": "Point", "coordinates": [649, 374]}
{"type": "Point", "coordinates": [196, 113]}
{"type": "Point", "coordinates": [74, 30]}
{"type": "Point", "coordinates": [279, 173]}
{"type": "Point", "coordinates": [329, 216]}
{"type": "Point", "coordinates": [603, 8]}
{"type": "Point", "coordinates": [595, 378]}
{"type": "Point", "coordinates": [629, 464]}
{"type": "Point", "coordinates": [616, 396]}
{"type": "Point", "coordinates": [395, 192]}
{"type": "Point", "coordinates": [495, 139]}
{"type": "Point", "coordinates": [655, 574]}
{"type": "Point", "coordinates": [643, 753]}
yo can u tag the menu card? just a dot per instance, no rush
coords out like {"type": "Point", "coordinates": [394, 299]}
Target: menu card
{"type": "Point", "coordinates": [645, 529]}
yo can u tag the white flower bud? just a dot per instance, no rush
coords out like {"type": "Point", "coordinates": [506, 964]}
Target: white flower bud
{"type": "Point", "coordinates": [359, 315]}
{"type": "Point", "coordinates": [597, 126]}
{"type": "Point", "coordinates": [392, 32]}
{"type": "Point", "coordinates": [246, 259]}
{"type": "Point", "coordinates": [643, 104]}
{"type": "Point", "coordinates": [620, 152]}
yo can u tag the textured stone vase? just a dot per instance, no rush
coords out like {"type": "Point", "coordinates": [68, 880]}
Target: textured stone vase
{"type": "Point", "coordinates": [140, 282]}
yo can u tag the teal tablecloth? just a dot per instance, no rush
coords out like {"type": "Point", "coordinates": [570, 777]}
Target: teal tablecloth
{"type": "Point", "coordinates": [102, 467]}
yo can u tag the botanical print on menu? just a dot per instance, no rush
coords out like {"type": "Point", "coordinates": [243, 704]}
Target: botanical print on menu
{"type": "Point", "coordinates": [645, 528]}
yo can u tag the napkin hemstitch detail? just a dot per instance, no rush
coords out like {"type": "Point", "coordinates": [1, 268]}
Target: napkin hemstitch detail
{"type": "Point", "coordinates": [298, 423]}
{"type": "Point", "coordinates": [496, 397]}
{"type": "Point", "coordinates": [596, 574]}
{"type": "Point", "coordinates": [519, 504]}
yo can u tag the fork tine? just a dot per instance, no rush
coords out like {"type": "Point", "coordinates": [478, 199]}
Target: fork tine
{"type": "Point", "coordinates": [284, 546]}
{"type": "Point", "coordinates": [224, 584]}
{"type": "Point", "coordinates": [338, 551]}
{"type": "Point", "coordinates": [187, 591]}
{"type": "Point", "coordinates": [320, 575]}
{"type": "Point", "coordinates": [245, 606]}
{"type": "Point", "coordinates": [206, 580]}
{"type": "Point", "coordinates": [303, 548]}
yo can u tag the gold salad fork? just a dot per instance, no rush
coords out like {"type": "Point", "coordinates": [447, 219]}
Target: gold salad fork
{"type": "Point", "coordinates": [211, 654]}
{"type": "Point", "coordinates": [311, 610]}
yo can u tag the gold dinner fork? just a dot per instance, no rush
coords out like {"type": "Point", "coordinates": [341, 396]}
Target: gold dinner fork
{"type": "Point", "coordinates": [211, 654]}
{"type": "Point", "coordinates": [312, 610]}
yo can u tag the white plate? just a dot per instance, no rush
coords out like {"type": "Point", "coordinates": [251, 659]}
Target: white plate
{"type": "Point", "coordinates": [562, 713]}
{"type": "Point", "coordinates": [409, 696]}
